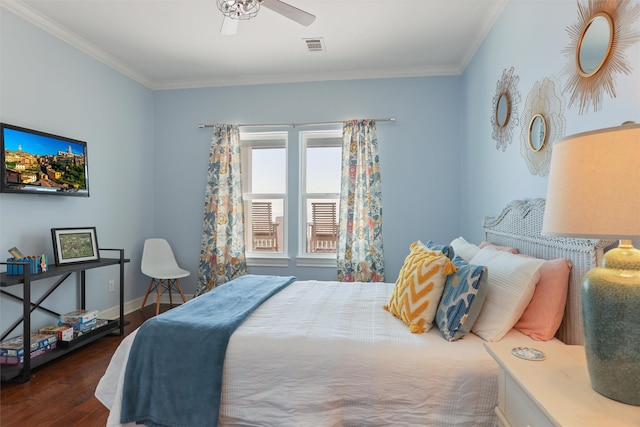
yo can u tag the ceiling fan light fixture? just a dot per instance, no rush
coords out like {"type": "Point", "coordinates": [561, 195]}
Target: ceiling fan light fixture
{"type": "Point", "coordinates": [239, 9]}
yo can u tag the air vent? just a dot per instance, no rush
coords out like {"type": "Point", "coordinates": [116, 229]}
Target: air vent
{"type": "Point", "coordinates": [315, 44]}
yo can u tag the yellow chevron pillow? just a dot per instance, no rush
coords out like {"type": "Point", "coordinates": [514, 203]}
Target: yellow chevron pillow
{"type": "Point", "coordinates": [419, 287]}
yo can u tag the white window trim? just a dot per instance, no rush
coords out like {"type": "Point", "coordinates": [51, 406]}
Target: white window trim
{"type": "Point", "coordinates": [317, 260]}
{"type": "Point", "coordinates": [268, 140]}
{"type": "Point", "coordinates": [262, 260]}
{"type": "Point", "coordinates": [321, 138]}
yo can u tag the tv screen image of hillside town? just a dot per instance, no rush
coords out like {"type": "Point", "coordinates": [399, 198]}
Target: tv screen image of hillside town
{"type": "Point", "coordinates": [38, 160]}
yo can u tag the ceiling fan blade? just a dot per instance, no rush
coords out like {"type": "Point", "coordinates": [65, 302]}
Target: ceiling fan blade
{"type": "Point", "coordinates": [291, 12]}
{"type": "Point", "coordinates": [229, 26]}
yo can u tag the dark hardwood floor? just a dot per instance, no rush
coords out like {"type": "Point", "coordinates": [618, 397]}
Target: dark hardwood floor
{"type": "Point", "coordinates": [60, 393]}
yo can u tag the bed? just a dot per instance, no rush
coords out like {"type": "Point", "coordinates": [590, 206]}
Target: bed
{"type": "Point", "coordinates": [327, 354]}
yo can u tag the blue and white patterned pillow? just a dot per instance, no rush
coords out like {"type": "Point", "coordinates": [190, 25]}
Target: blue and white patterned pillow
{"type": "Point", "coordinates": [462, 299]}
{"type": "Point", "coordinates": [447, 250]}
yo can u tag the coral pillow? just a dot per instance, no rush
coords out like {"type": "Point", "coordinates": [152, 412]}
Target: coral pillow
{"type": "Point", "coordinates": [498, 247]}
{"type": "Point", "coordinates": [542, 317]}
{"type": "Point", "coordinates": [419, 287]}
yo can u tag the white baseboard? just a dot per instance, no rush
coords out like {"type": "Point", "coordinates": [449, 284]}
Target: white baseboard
{"type": "Point", "coordinates": [133, 305]}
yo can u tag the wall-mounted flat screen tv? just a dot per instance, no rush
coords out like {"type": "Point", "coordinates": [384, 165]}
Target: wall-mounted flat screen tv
{"type": "Point", "coordinates": [36, 162]}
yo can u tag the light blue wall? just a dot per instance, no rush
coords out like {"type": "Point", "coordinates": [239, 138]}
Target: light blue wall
{"type": "Point", "coordinates": [441, 171]}
{"type": "Point", "coordinates": [419, 155]}
{"type": "Point", "coordinates": [49, 86]}
{"type": "Point", "coordinates": [529, 36]}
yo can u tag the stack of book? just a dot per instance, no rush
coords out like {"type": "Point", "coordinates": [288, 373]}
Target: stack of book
{"type": "Point", "coordinates": [12, 350]}
{"type": "Point", "coordinates": [82, 321]}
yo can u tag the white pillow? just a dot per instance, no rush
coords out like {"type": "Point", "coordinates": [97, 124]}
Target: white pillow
{"type": "Point", "coordinates": [512, 280]}
{"type": "Point", "coordinates": [464, 249]}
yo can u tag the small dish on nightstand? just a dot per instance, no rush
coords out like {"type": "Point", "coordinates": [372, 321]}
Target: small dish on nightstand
{"type": "Point", "coordinates": [528, 353]}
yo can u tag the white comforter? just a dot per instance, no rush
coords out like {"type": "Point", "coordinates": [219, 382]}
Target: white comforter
{"type": "Point", "coordinates": [327, 354]}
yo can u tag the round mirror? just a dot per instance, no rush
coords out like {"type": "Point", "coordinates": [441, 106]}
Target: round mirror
{"type": "Point", "coordinates": [594, 44]}
{"type": "Point", "coordinates": [537, 132]}
{"type": "Point", "coordinates": [502, 110]}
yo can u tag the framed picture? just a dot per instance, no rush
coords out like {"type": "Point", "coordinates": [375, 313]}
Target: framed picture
{"type": "Point", "coordinates": [73, 245]}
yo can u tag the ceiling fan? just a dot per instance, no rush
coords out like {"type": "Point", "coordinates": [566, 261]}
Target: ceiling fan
{"type": "Point", "coordinates": [235, 10]}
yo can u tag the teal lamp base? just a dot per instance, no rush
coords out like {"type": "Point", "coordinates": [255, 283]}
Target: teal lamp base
{"type": "Point", "coordinates": [611, 317]}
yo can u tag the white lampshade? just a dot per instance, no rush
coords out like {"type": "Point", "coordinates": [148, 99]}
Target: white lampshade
{"type": "Point", "coordinates": [594, 185]}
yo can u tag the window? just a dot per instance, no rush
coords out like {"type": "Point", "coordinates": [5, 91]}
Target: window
{"type": "Point", "coordinates": [264, 186]}
{"type": "Point", "coordinates": [321, 153]}
{"type": "Point", "coordinates": [266, 196]}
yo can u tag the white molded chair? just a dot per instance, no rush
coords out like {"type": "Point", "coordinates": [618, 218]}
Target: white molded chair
{"type": "Point", "coordinates": [159, 263]}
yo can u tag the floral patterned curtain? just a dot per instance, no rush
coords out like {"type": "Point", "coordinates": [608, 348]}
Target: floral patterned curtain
{"type": "Point", "coordinates": [222, 255]}
{"type": "Point", "coordinates": [360, 255]}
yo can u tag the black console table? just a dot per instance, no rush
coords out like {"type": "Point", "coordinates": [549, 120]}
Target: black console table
{"type": "Point", "coordinates": [22, 372]}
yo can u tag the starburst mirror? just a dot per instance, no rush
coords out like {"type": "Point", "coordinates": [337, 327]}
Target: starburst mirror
{"type": "Point", "coordinates": [543, 124]}
{"type": "Point", "coordinates": [596, 51]}
{"type": "Point", "coordinates": [504, 116]}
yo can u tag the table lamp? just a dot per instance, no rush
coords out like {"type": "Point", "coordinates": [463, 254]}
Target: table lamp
{"type": "Point", "coordinates": [594, 192]}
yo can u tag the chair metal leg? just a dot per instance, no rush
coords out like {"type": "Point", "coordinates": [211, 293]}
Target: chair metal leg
{"type": "Point", "coordinates": [144, 301]}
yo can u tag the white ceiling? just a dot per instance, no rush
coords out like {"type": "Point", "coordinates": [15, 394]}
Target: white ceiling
{"type": "Point", "coordinates": [167, 44]}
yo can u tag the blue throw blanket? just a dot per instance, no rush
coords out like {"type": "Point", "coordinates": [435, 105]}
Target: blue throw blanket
{"type": "Point", "coordinates": [174, 372]}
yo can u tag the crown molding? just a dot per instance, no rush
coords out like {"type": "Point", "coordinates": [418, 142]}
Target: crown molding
{"type": "Point", "coordinates": [311, 77]}
{"type": "Point", "coordinates": [496, 9]}
{"type": "Point", "coordinates": [30, 15]}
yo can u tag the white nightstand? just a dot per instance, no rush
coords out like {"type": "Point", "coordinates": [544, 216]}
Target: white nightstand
{"type": "Point", "coordinates": [553, 392]}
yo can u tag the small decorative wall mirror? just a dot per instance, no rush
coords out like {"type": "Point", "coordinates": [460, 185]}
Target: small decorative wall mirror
{"type": "Point", "coordinates": [504, 116]}
{"type": "Point", "coordinates": [594, 45]}
{"type": "Point", "coordinates": [537, 132]}
{"type": "Point", "coordinates": [502, 110]}
{"type": "Point", "coordinates": [542, 124]}
{"type": "Point", "coordinates": [603, 31]}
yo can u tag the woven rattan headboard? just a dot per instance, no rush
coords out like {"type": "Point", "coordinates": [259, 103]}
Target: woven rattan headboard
{"type": "Point", "coordinates": [519, 226]}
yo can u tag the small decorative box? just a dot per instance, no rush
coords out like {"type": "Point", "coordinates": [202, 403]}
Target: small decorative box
{"type": "Point", "coordinates": [64, 333]}
{"type": "Point", "coordinates": [81, 318]}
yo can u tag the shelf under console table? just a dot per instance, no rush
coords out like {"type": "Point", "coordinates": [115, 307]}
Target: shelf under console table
{"type": "Point", "coordinates": [22, 372]}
